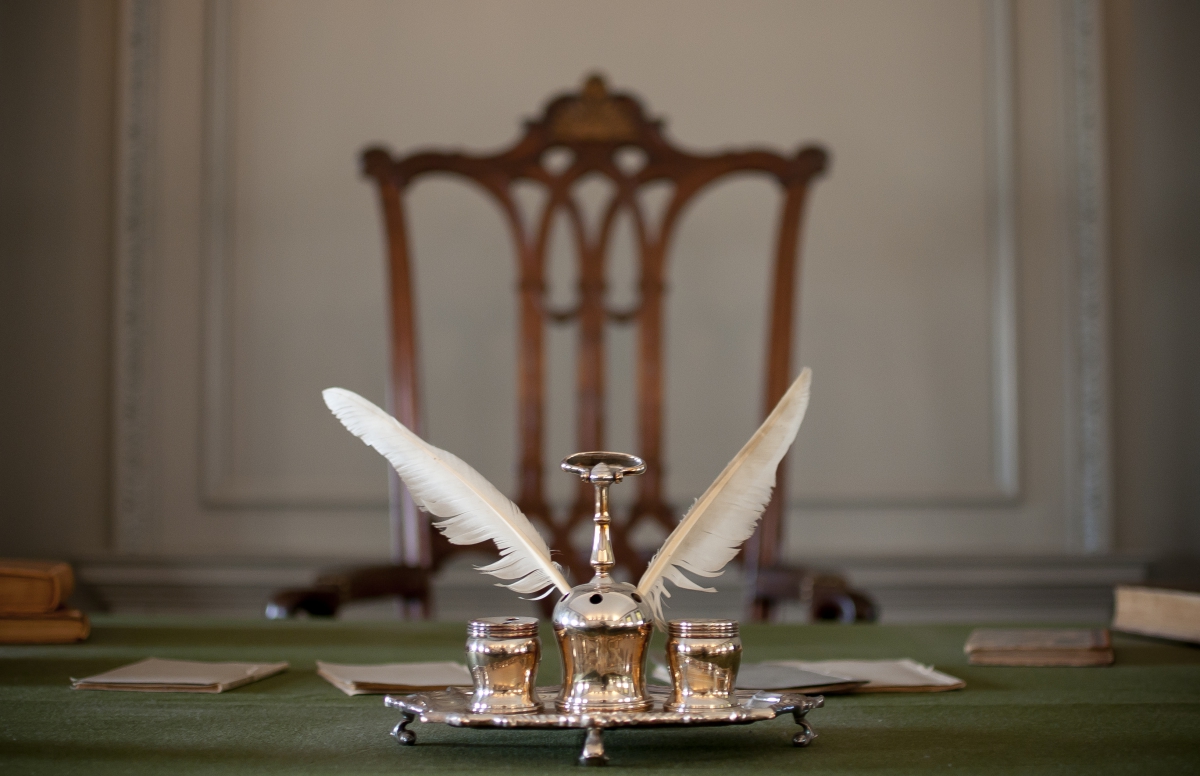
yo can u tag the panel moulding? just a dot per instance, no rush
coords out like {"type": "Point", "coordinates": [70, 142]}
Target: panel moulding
{"type": "Point", "coordinates": [1089, 457]}
{"type": "Point", "coordinates": [1002, 235]}
{"type": "Point", "coordinates": [137, 85]}
{"type": "Point", "coordinates": [226, 488]}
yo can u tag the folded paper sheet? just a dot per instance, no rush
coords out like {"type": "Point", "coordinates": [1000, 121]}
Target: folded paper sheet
{"type": "Point", "coordinates": [394, 677]}
{"type": "Point", "coordinates": [883, 675]}
{"type": "Point", "coordinates": [157, 675]}
{"type": "Point", "coordinates": [773, 676]}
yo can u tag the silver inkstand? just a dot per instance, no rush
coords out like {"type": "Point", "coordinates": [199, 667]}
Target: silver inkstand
{"type": "Point", "coordinates": [603, 632]}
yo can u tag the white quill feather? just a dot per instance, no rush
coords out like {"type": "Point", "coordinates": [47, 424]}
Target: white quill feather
{"type": "Point", "coordinates": [471, 509]}
{"type": "Point", "coordinates": [725, 516]}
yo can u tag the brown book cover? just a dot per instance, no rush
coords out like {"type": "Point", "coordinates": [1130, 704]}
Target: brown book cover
{"type": "Point", "coordinates": [1158, 611]}
{"type": "Point", "coordinates": [1039, 647]}
{"type": "Point", "coordinates": [60, 627]}
{"type": "Point", "coordinates": [33, 586]}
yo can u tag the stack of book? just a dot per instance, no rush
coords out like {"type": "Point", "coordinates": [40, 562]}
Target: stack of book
{"type": "Point", "coordinates": [1156, 611]}
{"type": "Point", "coordinates": [32, 603]}
{"type": "Point", "coordinates": [1039, 647]}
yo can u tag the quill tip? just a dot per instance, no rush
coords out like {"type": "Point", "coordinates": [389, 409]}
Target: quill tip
{"type": "Point", "coordinates": [338, 398]}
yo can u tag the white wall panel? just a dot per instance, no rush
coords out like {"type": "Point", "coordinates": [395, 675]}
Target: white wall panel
{"type": "Point", "coordinates": [269, 287]}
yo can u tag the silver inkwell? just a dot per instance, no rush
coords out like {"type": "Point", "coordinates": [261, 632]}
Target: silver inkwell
{"type": "Point", "coordinates": [603, 626]}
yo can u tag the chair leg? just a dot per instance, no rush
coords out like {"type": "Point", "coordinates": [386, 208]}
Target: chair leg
{"type": "Point", "coordinates": [412, 609]}
{"type": "Point", "coordinates": [762, 610]}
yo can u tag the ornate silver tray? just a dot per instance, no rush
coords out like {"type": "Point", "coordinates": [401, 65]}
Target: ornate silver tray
{"type": "Point", "coordinates": [449, 707]}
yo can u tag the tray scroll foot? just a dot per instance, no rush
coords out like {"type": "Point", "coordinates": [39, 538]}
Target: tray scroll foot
{"type": "Point", "coordinates": [806, 734]}
{"type": "Point", "coordinates": [405, 737]}
{"type": "Point", "coordinates": [593, 748]}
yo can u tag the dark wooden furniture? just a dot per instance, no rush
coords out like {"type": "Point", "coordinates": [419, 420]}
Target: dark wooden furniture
{"type": "Point", "coordinates": [592, 132]}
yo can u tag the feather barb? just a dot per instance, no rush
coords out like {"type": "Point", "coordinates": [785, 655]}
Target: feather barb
{"type": "Point", "coordinates": [725, 516]}
{"type": "Point", "coordinates": [471, 509]}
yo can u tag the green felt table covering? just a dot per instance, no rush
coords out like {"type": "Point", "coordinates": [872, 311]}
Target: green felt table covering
{"type": "Point", "coordinates": [1141, 715]}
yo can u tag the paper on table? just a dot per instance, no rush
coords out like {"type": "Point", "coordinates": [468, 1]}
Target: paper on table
{"type": "Point", "coordinates": [158, 675]}
{"type": "Point", "coordinates": [394, 677]}
{"type": "Point", "coordinates": [773, 676]}
{"type": "Point", "coordinates": [883, 675]}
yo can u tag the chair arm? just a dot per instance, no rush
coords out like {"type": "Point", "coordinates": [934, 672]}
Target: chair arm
{"type": "Point", "coordinates": [316, 601]}
{"type": "Point", "coordinates": [408, 582]}
{"type": "Point", "coordinates": [336, 588]}
{"type": "Point", "coordinates": [827, 596]}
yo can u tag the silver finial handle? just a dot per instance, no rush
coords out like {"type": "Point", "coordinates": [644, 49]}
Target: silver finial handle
{"type": "Point", "coordinates": [602, 469]}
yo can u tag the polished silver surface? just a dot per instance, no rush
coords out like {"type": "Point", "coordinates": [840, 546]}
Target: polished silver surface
{"type": "Point", "coordinates": [603, 632]}
{"type": "Point", "coordinates": [700, 628]}
{"type": "Point", "coordinates": [602, 469]}
{"type": "Point", "coordinates": [502, 627]}
{"type": "Point", "coordinates": [703, 657]}
{"type": "Point", "coordinates": [603, 626]}
{"type": "Point", "coordinates": [503, 655]}
{"type": "Point", "coordinates": [452, 707]}
{"type": "Point", "coordinates": [603, 635]}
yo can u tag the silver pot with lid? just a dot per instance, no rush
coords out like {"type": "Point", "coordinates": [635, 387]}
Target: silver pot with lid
{"type": "Point", "coordinates": [603, 626]}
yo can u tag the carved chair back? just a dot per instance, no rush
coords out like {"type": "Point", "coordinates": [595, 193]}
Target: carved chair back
{"type": "Point", "coordinates": [596, 127]}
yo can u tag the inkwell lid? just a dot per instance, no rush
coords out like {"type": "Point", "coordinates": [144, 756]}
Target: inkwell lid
{"type": "Point", "coordinates": [502, 627]}
{"type": "Point", "coordinates": [702, 629]}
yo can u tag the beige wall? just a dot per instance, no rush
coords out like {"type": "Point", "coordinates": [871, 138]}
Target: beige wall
{"type": "Point", "coordinates": [56, 145]}
{"type": "Point", "coordinates": [262, 261]}
{"type": "Point", "coordinates": [57, 242]}
{"type": "Point", "coordinates": [1155, 131]}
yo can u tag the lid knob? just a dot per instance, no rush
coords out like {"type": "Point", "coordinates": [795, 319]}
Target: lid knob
{"type": "Point", "coordinates": [602, 469]}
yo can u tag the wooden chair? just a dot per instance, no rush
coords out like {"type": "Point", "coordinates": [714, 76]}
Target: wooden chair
{"type": "Point", "coordinates": [610, 135]}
